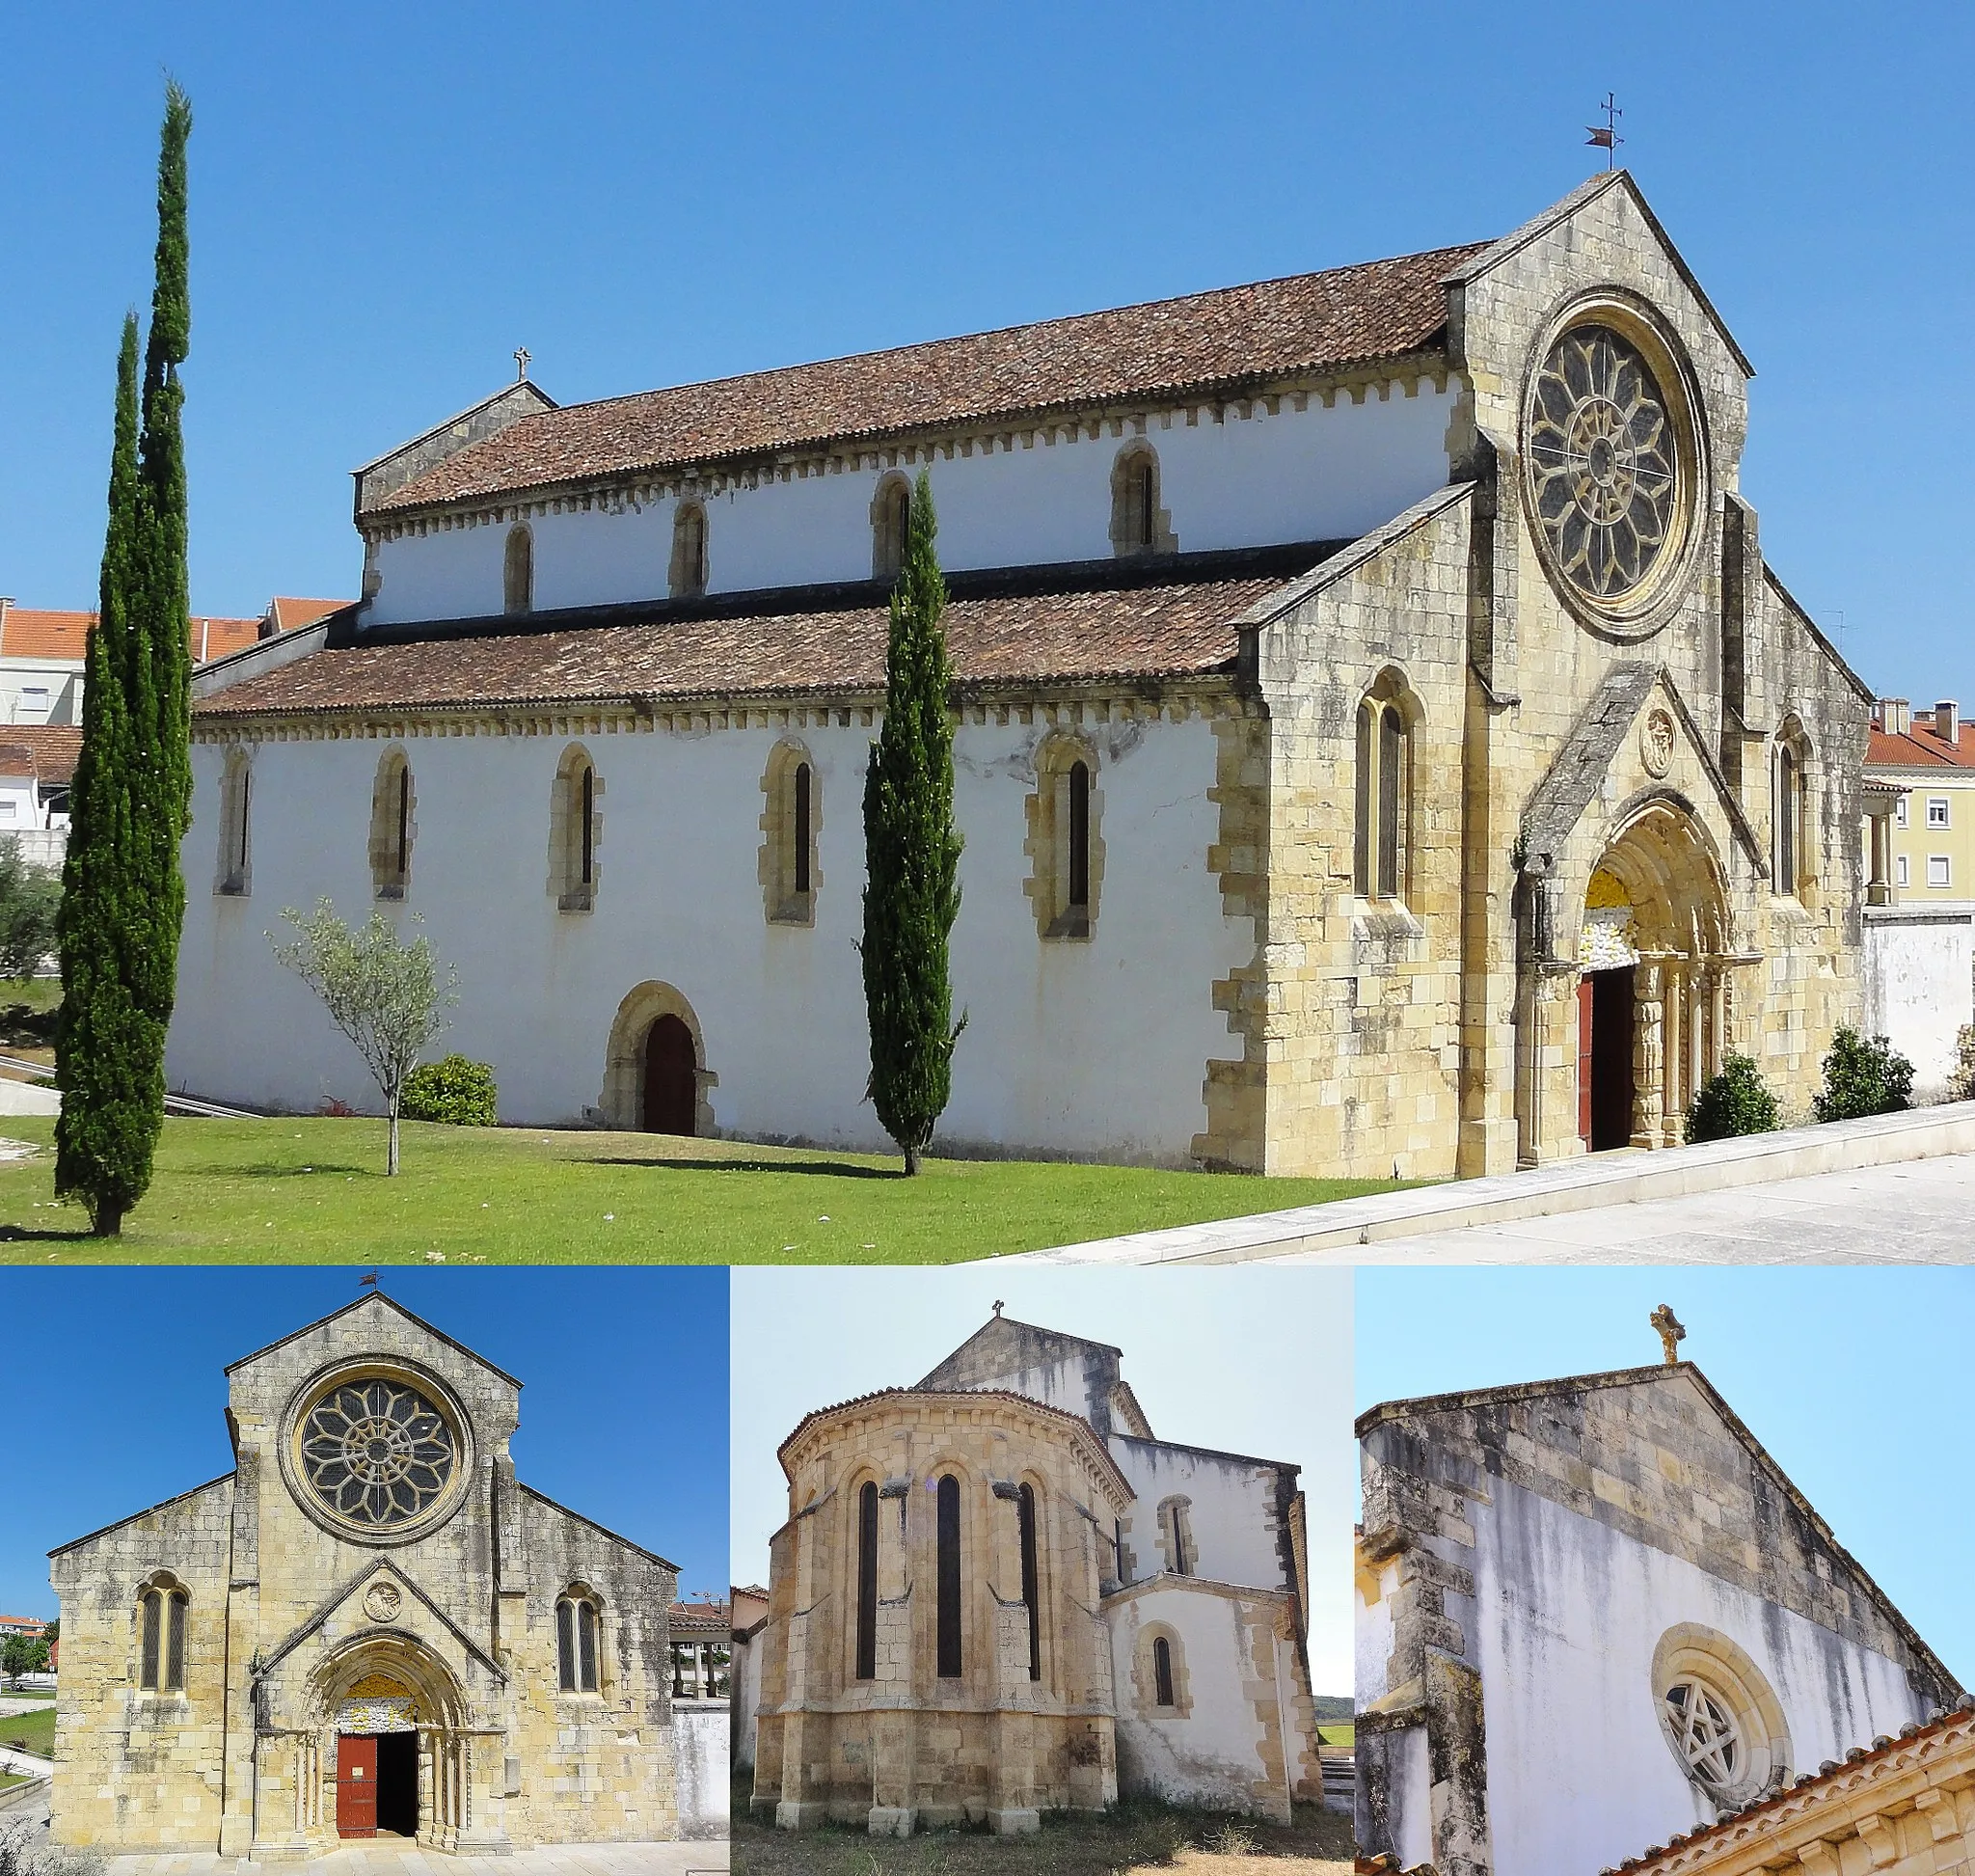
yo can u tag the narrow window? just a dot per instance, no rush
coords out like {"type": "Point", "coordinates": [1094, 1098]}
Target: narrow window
{"type": "Point", "coordinates": [1179, 1544]}
{"type": "Point", "coordinates": [689, 551]}
{"type": "Point", "coordinates": [518, 575]}
{"type": "Point", "coordinates": [175, 1649]}
{"type": "Point", "coordinates": [1079, 837]}
{"type": "Point", "coordinates": [1135, 516]}
{"type": "Point", "coordinates": [586, 1633]}
{"type": "Point", "coordinates": [1162, 1671]}
{"type": "Point", "coordinates": [948, 1578]}
{"type": "Point", "coordinates": [1360, 849]}
{"type": "Point", "coordinates": [891, 528]}
{"type": "Point", "coordinates": [565, 1646]}
{"type": "Point", "coordinates": [1148, 503]}
{"type": "Point", "coordinates": [1786, 819]}
{"type": "Point", "coordinates": [590, 822]}
{"type": "Point", "coordinates": [152, 1609]}
{"type": "Point", "coordinates": [246, 806]}
{"type": "Point", "coordinates": [391, 826]}
{"type": "Point", "coordinates": [1390, 780]}
{"type": "Point", "coordinates": [801, 827]}
{"type": "Point", "coordinates": [1025, 1513]}
{"type": "Point", "coordinates": [403, 853]}
{"type": "Point", "coordinates": [867, 1582]}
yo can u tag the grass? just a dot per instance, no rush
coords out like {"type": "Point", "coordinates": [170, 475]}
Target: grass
{"type": "Point", "coordinates": [1342, 1736]}
{"type": "Point", "coordinates": [313, 1191]}
{"type": "Point", "coordinates": [30, 1733]}
{"type": "Point", "coordinates": [1136, 1840]}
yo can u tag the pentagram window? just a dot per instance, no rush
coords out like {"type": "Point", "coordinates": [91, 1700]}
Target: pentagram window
{"type": "Point", "coordinates": [377, 1453]}
{"type": "Point", "coordinates": [1603, 463]}
{"type": "Point", "coordinates": [1707, 1735]}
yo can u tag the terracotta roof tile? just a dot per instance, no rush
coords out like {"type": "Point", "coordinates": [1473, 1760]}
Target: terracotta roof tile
{"type": "Point", "coordinates": [52, 748]}
{"type": "Point", "coordinates": [1214, 341]}
{"type": "Point", "coordinates": [215, 637]}
{"type": "Point", "coordinates": [1065, 626]}
{"type": "Point", "coordinates": [291, 614]}
{"type": "Point", "coordinates": [26, 632]}
{"type": "Point", "coordinates": [1919, 747]}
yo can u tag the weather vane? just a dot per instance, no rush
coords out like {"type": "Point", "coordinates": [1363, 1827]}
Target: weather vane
{"type": "Point", "coordinates": [367, 1281]}
{"type": "Point", "coordinates": [1604, 136]}
{"type": "Point", "coordinates": [521, 360]}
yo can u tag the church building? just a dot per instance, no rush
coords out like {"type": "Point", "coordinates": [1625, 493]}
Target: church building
{"type": "Point", "coordinates": [999, 1595]}
{"type": "Point", "coordinates": [367, 1628]}
{"type": "Point", "coordinates": [1380, 740]}
{"type": "Point", "coordinates": [1598, 1628]}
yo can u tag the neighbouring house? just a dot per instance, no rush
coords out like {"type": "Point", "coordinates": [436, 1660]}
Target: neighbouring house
{"type": "Point", "coordinates": [1380, 742]}
{"type": "Point", "coordinates": [750, 1606]}
{"type": "Point", "coordinates": [999, 1595]}
{"type": "Point", "coordinates": [1594, 1616]}
{"type": "Point", "coordinates": [369, 1626]}
{"type": "Point", "coordinates": [31, 1626]}
{"type": "Point", "coordinates": [1920, 900]}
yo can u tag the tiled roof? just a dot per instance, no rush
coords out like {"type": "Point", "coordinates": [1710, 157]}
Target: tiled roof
{"type": "Point", "coordinates": [291, 614]}
{"type": "Point", "coordinates": [716, 1617]}
{"type": "Point", "coordinates": [52, 746]}
{"type": "Point", "coordinates": [1919, 747]}
{"type": "Point", "coordinates": [1213, 343]}
{"type": "Point", "coordinates": [215, 637]}
{"type": "Point", "coordinates": [16, 760]}
{"type": "Point", "coordinates": [29, 632]}
{"type": "Point", "coordinates": [1077, 625]}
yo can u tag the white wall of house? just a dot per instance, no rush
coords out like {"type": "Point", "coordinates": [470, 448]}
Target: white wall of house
{"type": "Point", "coordinates": [41, 690]}
{"type": "Point", "coordinates": [1095, 1048]}
{"type": "Point", "coordinates": [1317, 473]}
{"type": "Point", "coordinates": [1212, 1756]}
{"type": "Point", "coordinates": [1919, 968]}
{"type": "Point", "coordinates": [701, 1757]}
{"type": "Point", "coordinates": [1566, 1616]}
{"type": "Point", "coordinates": [1230, 1505]}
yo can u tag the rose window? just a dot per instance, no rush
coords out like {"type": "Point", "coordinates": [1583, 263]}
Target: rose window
{"type": "Point", "coordinates": [377, 1453]}
{"type": "Point", "coordinates": [1706, 1734]}
{"type": "Point", "coordinates": [1603, 461]}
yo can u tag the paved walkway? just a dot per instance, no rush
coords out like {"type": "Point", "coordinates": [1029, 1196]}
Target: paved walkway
{"type": "Point", "coordinates": [1920, 1213]}
{"type": "Point", "coordinates": [399, 1859]}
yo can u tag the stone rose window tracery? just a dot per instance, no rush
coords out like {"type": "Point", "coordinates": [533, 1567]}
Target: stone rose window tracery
{"type": "Point", "coordinates": [1707, 1734]}
{"type": "Point", "coordinates": [377, 1453]}
{"type": "Point", "coordinates": [1603, 462]}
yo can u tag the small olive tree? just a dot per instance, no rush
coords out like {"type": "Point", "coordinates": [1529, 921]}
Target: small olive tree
{"type": "Point", "coordinates": [385, 995]}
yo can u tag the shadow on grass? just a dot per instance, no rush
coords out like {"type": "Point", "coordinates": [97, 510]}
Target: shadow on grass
{"type": "Point", "coordinates": [322, 1169]}
{"type": "Point", "coordinates": [21, 1235]}
{"type": "Point", "coordinates": [830, 1168]}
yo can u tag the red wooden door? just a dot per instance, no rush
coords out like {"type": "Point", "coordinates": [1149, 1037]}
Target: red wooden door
{"type": "Point", "coordinates": [356, 1785]}
{"type": "Point", "coordinates": [672, 1083]}
{"type": "Point", "coordinates": [1585, 997]}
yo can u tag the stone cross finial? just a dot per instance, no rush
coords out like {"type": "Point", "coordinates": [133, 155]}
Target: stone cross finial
{"type": "Point", "coordinates": [520, 363]}
{"type": "Point", "coordinates": [999, 1306]}
{"type": "Point", "coordinates": [1671, 1334]}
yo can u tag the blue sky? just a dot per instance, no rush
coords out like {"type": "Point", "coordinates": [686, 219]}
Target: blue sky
{"type": "Point", "coordinates": [1855, 1381]}
{"type": "Point", "coordinates": [1255, 1361]}
{"type": "Point", "coordinates": [387, 200]}
{"type": "Point", "coordinates": [115, 1398]}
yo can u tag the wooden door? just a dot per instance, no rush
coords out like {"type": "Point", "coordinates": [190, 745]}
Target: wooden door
{"type": "Point", "coordinates": [671, 1081]}
{"type": "Point", "coordinates": [356, 1785]}
{"type": "Point", "coordinates": [1586, 997]}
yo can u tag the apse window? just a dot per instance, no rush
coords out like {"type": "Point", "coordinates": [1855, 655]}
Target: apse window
{"type": "Point", "coordinates": [1937, 870]}
{"type": "Point", "coordinates": [1936, 810]}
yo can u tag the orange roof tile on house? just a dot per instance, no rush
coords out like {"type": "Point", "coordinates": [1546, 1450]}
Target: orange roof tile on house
{"type": "Point", "coordinates": [292, 614]}
{"type": "Point", "coordinates": [212, 639]}
{"type": "Point", "coordinates": [54, 747]}
{"type": "Point", "coordinates": [32, 631]}
{"type": "Point", "coordinates": [1204, 344]}
{"type": "Point", "coordinates": [1919, 747]}
{"type": "Point", "coordinates": [29, 631]}
{"type": "Point", "coordinates": [16, 760]}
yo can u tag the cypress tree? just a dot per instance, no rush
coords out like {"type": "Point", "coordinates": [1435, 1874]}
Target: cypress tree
{"type": "Point", "coordinates": [131, 801]}
{"type": "Point", "coordinates": [912, 891]}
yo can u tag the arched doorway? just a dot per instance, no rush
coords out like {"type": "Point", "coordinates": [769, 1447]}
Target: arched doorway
{"type": "Point", "coordinates": [671, 1079]}
{"type": "Point", "coordinates": [1652, 961]}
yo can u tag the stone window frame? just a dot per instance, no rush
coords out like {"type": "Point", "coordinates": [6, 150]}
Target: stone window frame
{"type": "Point", "coordinates": [891, 518]}
{"type": "Point", "coordinates": [1145, 1679]}
{"type": "Point", "coordinates": [1179, 1555]}
{"type": "Point", "coordinates": [579, 1600]}
{"type": "Point", "coordinates": [1042, 1637]}
{"type": "Point", "coordinates": [1691, 1651]}
{"type": "Point", "coordinates": [162, 1609]}
{"type": "Point", "coordinates": [867, 1538]}
{"type": "Point", "coordinates": [687, 575]}
{"type": "Point", "coordinates": [568, 886]}
{"type": "Point", "coordinates": [943, 1474]}
{"type": "Point", "coordinates": [394, 824]}
{"type": "Point", "coordinates": [623, 1098]}
{"type": "Point", "coordinates": [1794, 836]}
{"type": "Point", "coordinates": [1049, 813]}
{"type": "Point", "coordinates": [1384, 790]}
{"type": "Point", "coordinates": [518, 571]}
{"type": "Point", "coordinates": [1140, 523]}
{"type": "Point", "coordinates": [234, 876]}
{"type": "Point", "coordinates": [779, 867]}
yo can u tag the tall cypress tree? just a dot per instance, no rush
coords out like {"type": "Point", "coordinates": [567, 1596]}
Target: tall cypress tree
{"type": "Point", "coordinates": [912, 850]}
{"type": "Point", "coordinates": [131, 801]}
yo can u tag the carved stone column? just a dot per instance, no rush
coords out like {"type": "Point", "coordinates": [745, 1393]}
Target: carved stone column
{"type": "Point", "coordinates": [1673, 1106]}
{"type": "Point", "coordinates": [1648, 1057]}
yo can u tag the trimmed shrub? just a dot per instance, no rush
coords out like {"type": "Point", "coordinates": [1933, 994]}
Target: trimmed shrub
{"type": "Point", "coordinates": [455, 1090]}
{"type": "Point", "coordinates": [1734, 1102]}
{"type": "Point", "coordinates": [1863, 1074]}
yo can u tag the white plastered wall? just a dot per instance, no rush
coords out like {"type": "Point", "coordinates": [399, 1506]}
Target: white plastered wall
{"type": "Point", "coordinates": [1231, 1506]}
{"type": "Point", "coordinates": [1920, 987]}
{"type": "Point", "coordinates": [1063, 1051]}
{"type": "Point", "coordinates": [1567, 1613]}
{"type": "Point", "coordinates": [1317, 473]}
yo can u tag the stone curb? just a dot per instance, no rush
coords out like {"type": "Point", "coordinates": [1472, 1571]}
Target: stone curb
{"type": "Point", "coordinates": [24, 1794]}
{"type": "Point", "coordinates": [1580, 1184]}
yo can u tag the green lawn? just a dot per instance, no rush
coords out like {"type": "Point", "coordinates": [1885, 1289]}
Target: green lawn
{"type": "Point", "coordinates": [30, 1733]}
{"type": "Point", "coordinates": [1345, 1736]}
{"type": "Point", "coordinates": [313, 1191]}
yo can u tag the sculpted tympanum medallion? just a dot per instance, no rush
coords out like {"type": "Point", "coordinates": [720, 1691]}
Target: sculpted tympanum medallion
{"type": "Point", "coordinates": [1603, 462]}
{"type": "Point", "coordinates": [1656, 743]}
{"type": "Point", "coordinates": [377, 1453]}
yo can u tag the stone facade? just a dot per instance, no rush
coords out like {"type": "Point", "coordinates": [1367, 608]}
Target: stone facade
{"type": "Point", "coordinates": [1541, 1569]}
{"type": "Point", "coordinates": [1036, 1691]}
{"type": "Point", "coordinates": [318, 1614]}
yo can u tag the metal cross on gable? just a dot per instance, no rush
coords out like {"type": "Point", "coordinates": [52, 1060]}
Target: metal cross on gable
{"type": "Point", "coordinates": [1604, 136]}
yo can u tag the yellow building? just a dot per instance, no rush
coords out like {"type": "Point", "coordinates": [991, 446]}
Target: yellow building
{"type": "Point", "coordinates": [1930, 755]}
